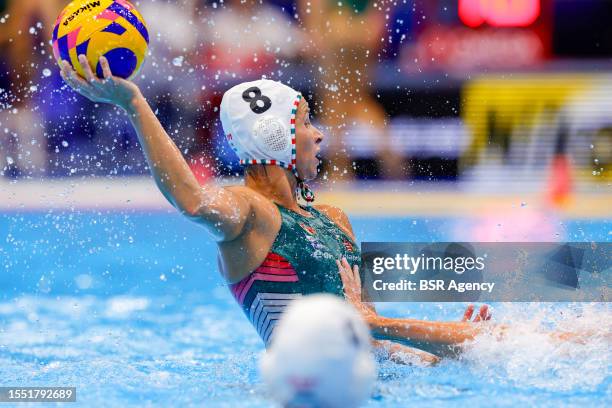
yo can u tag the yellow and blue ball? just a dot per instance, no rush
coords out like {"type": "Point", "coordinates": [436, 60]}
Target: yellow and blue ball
{"type": "Point", "coordinates": [95, 28]}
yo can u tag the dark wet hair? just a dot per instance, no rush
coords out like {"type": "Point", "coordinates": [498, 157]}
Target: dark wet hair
{"type": "Point", "coordinates": [256, 171]}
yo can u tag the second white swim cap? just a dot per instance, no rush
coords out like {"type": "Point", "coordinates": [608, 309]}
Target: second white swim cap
{"type": "Point", "coordinates": [320, 355]}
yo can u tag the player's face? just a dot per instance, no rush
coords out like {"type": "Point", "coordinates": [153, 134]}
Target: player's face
{"type": "Point", "coordinates": [308, 143]}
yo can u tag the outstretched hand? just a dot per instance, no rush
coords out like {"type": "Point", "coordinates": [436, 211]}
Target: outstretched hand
{"type": "Point", "coordinates": [351, 282]}
{"type": "Point", "coordinates": [110, 89]}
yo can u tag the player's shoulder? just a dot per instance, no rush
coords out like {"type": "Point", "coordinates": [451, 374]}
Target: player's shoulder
{"type": "Point", "coordinates": [331, 210]}
{"type": "Point", "coordinates": [338, 216]}
{"type": "Point", "coordinates": [240, 189]}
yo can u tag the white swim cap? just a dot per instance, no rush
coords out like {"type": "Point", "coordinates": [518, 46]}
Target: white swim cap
{"type": "Point", "coordinates": [320, 355]}
{"type": "Point", "coordinates": [258, 120]}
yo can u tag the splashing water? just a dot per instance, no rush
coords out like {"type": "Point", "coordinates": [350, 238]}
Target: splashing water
{"type": "Point", "coordinates": [178, 61]}
{"type": "Point", "coordinates": [528, 356]}
{"type": "Point", "coordinates": [87, 307]}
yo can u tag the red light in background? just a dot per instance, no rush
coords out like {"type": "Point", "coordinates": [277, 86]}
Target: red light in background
{"type": "Point", "coordinates": [470, 13]}
{"type": "Point", "coordinates": [499, 13]}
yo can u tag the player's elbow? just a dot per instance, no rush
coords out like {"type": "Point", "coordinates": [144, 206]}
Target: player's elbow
{"type": "Point", "coordinates": [214, 220]}
{"type": "Point", "coordinates": [192, 204]}
{"type": "Point", "coordinates": [189, 209]}
{"type": "Point", "coordinates": [198, 213]}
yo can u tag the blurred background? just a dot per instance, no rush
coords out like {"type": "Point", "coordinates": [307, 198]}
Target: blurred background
{"type": "Point", "coordinates": [481, 95]}
{"type": "Point", "coordinates": [510, 93]}
{"type": "Point", "coordinates": [408, 90]}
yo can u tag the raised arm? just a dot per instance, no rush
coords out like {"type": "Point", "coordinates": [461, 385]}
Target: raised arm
{"type": "Point", "coordinates": [222, 212]}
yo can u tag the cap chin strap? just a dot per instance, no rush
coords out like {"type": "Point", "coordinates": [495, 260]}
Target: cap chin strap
{"type": "Point", "coordinates": [307, 194]}
{"type": "Point", "coordinates": [304, 189]}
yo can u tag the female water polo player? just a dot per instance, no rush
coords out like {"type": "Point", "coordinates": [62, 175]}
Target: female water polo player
{"type": "Point", "coordinates": [271, 249]}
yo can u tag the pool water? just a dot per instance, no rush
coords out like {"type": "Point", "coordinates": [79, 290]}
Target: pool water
{"type": "Point", "coordinates": [129, 308]}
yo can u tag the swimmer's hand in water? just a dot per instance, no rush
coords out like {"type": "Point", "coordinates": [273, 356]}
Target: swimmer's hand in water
{"type": "Point", "coordinates": [441, 338]}
{"type": "Point", "coordinates": [110, 89]}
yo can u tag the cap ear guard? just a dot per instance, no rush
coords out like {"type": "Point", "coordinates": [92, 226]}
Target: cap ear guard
{"type": "Point", "coordinates": [270, 134]}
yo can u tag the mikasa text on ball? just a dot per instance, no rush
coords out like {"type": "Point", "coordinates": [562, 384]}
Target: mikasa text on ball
{"type": "Point", "coordinates": [95, 28]}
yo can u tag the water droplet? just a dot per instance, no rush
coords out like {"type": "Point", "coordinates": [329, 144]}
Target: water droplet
{"type": "Point", "coordinates": [64, 143]}
{"type": "Point", "coordinates": [46, 72]}
{"type": "Point", "coordinates": [178, 61]}
{"type": "Point", "coordinates": [84, 281]}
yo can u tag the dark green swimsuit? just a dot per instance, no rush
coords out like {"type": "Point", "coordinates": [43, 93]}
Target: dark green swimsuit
{"type": "Point", "coordinates": [302, 261]}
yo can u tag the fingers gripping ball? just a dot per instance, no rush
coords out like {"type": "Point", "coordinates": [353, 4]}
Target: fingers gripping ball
{"type": "Point", "coordinates": [95, 28]}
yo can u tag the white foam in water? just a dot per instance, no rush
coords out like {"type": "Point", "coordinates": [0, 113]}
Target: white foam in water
{"type": "Point", "coordinates": [529, 357]}
{"type": "Point", "coordinates": [206, 346]}
{"type": "Point", "coordinates": [160, 378]}
{"type": "Point", "coordinates": [123, 306]}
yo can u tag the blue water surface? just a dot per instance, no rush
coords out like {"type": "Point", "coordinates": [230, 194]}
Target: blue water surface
{"type": "Point", "coordinates": [129, 308]}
